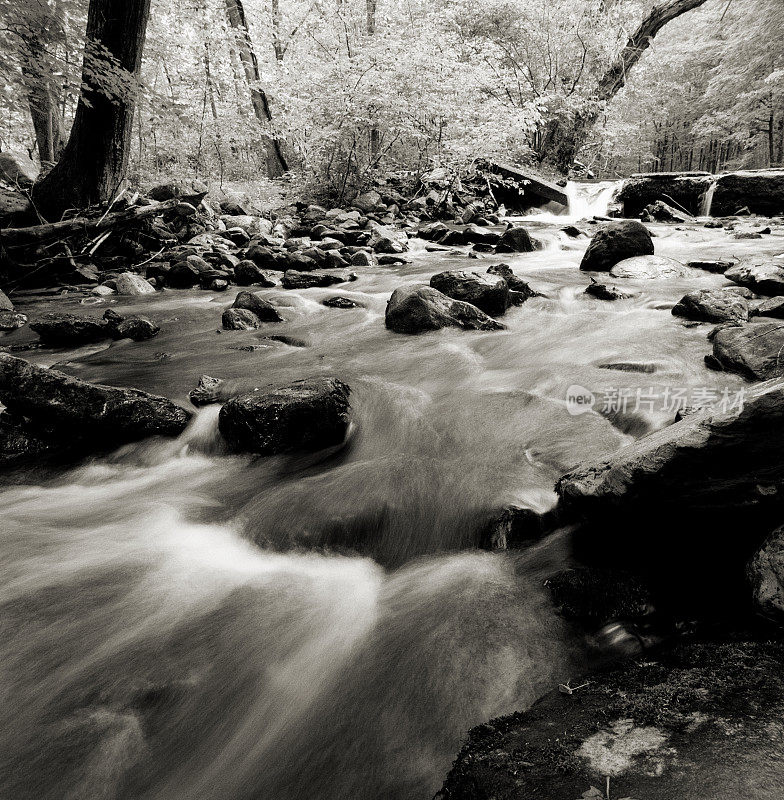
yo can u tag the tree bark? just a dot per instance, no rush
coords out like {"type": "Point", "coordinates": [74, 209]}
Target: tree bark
{"type": "Point", "coordinates": [277, 164]}
{"type": "Point", "coordinates": [93, 165]}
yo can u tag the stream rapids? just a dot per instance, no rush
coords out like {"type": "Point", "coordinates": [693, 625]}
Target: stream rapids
{"type": "Point", "coordinates": [179, 623]}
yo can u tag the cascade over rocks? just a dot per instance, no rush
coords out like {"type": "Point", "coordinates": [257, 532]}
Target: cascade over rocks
{"type": "Point", "coordinates": [615, 242]}
{"type": "Point", "coordinates": [489, 293]}
{"type": "Point", "coordinates": [305, 416]}
{"type": "Point", "coordinates": [67, 412]}
{"type": "Point", "coordinates": [414, 309]}
{"type": "Point", "coordinates": [685, 189]}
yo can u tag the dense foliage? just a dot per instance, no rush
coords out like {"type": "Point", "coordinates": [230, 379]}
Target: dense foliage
{"type": "Point", "coordinates": [347, 87]}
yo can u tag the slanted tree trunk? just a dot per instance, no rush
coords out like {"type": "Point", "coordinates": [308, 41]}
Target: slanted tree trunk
{"type": "Point", "coordinates": [277, 164]}
{"type": "Point", "coordinates": [93, 165]}
{"type": "Point", "coordinates": [563, 140]}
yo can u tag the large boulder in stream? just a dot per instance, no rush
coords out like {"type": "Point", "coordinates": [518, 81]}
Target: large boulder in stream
{"type": "Point", "coordinates": [304, 416]}
{"type": "Point", "coordinates": [414, 309]}
{"type": "Point", "coordinates": [515, 240]}
{"type": "Point", "coordinates": [684, 189]}
{"type": "Point", "coordinates": [755, 351]}
{"type": "Point", "coordinates": [615, 242]}
{"type": "Point", "coordinates": [63, 412]}
{"type": "Point", "coordinates": [701, 721]}
{"type": "Point", "coordinates": [760, 191]}
{"type": "Point", "coordinates": [687, 505]}
{"type": "Point", "coordinates": [761, 275]}
{"type": "Point", "coordinates": [61, 329]}
{"type": "Point", "coordinates": [712, 305]}
{"type": "Point", "coordinates": [129, 283]}
{"type": "Point", "coordinates": [649, 268]}
{"type": "Point", "coordinates": [490, 293]}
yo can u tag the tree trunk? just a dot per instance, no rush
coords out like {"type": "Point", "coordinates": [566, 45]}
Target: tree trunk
{"type": "Point", "coordinates": [38, 67]}
{"type": "Point", "coordinates": [277, 164]}
{"type": "Point", "coordinates": [565, 139]}
{"type": "Point", "coordinates": [94, 162]}
{"type": "Point", "coordinates": [375, 135]}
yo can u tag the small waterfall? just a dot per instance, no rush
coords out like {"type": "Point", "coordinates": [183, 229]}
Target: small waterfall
{"type": "Point", "coordinates": [707, 200]}
{"type": "Point", "coordinates": [590, 199]}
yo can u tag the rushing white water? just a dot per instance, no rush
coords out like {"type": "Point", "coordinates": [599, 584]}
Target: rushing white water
{"type": "Point", "coordinates": [586, 200]}
{"type": "Point", "coordinates": [177, 623]}
{"type": "Point", "coordinates": [706, 203]}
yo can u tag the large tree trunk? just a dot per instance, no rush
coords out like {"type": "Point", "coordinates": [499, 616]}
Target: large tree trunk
{"type": "Point", "coordinates": [277, 164]}
{"type": "Point", "coordinates": [94, 162]}
{"type": "Point", "coordinates": [563, 140]}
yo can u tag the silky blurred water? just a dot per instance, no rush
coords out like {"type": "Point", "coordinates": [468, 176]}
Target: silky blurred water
{"type": "Point", "coordinates": [179, 623]}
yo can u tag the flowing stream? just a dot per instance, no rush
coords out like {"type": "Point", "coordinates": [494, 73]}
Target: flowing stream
{"type": "Point", "coordinates": [182, 624]}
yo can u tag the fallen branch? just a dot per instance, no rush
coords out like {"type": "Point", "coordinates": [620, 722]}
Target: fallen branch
{"type": "Point", "coordinates": [36, 234]}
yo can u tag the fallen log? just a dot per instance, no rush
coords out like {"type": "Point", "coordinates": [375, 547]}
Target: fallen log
{"type": "Point", "coordinates": [37, 234]}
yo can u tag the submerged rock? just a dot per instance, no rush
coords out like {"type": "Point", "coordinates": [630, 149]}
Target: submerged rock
{"type": "Point", "coordinates": [649, 268]}
{"type": "Point", "coordinates": [59, 329]}
{"type": "Point", "coordinates": [137, 328]}
{"type": "Point", "coordinates": [414, 309]}
{"type": "Point", "coordinates": [615, 242]}
{"type": "Point", "coordinates": [340, 302]}
{"type": "Point", "coordinates": [712, 305]}
{"type": "Point", "coordinates": [490, 293]}
{"type": "Point", "coordinates": [602, 291]}
{"type": "Point", "coordinates": [695, 722]}
{"type": "Point", "coordinates": [304, 416]}
{"type": "Point", "coordinates": [72, 411]}
{"type": "Point", "coordinates": [755, 351]}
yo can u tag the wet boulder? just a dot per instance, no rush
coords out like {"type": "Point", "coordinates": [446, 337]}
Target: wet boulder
{"type": "Point", "coordinates": [659, 211]}
{"type": "Point", "coordinates": [615, 242]}
{"type": "Point", "coordinates": [603, 291]}
{"type": "Point", "coordinates": [70, 410]}
{"type": "Point", "coordinates": [61, 330]}
{"type": "Point", "coordinates": [490, 293]}
{"type": "Point", "coordinates": [183, 275]}
{"type": "Point", "coordinates": [755, 351]}
{"type": "Point", "coordinates": [414, 309]}
{"type": "Point", "coordinates": [649, 268]}
{"type": "Point", "coordinates": [688, 504]}
{"type": "Point", "coordinates": [763, 276]}
{"type": "Point", "coordinates": [433, 231]}
{"type": "Point", "coordinates": [475, 234]}
{"type": "Point", "coordinates": [304, 416]}
{"type": "Point", "coordinates": [240, 319]}
{"type": "Point", "coordinates": [712, 305]}
{"type": "Point", "coordinates": [515, 240]}
{"type": "Point", "coordinates": [695, 721]}
{"type": "Point", "coordinates": [766, 576]}
{"type": "Point", "coordinates": [515, 283]}
{"type": "Point", "coordinates": [248, 273]}
{"type": "Point", "coordinates": [385, 239]}
{"type": "Point", "coordinates": [129, 283]}
{"type": "Point", "coordinates": [294, 279]}
{"type": "Point", "coordinates": [262, 308]}
{"type": "Point", "coordinates": [138, 329]}
{"type": "Point", "coordinates": [772, 307]}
